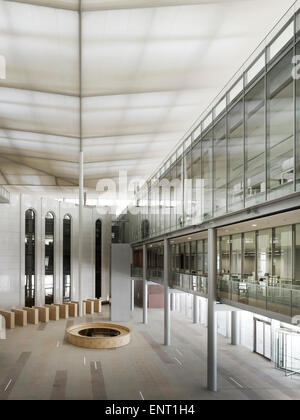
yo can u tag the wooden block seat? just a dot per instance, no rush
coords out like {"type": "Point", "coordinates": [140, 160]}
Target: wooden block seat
{"type": "Point", "coordinates": [53, 312]}
{"type": "Point", "coordinates": [2, 328]}
{"type": "Point", "coordinates": [43, 313]}
{"type": "Point", "coordinates": [63, 310]}
{"type": "Point", "coordinates": [20, 317]}
{"type": "Point", "coordinates": [97, 305]}
{"type": "Point", "coordinates": [83, 307]}
{"type": "Point", "coordinates": [89, 306]}
{"type": "Point", "coordinates": [73, 308]}
{"type": "Point", "coordinates": [9, 319]}
{"type": "Point", "coordinates": [32, 315]}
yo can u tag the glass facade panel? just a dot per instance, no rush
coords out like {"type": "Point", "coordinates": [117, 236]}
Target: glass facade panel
{"type": "Point", "coordinates": [236, 157]}
{"type": "Point", "coordinates": [225, 256]}
{"type": "Point", "coordinates": [236, 257]}
{"type": "Point", "coordinates": [255, 168]}
{"type": "Point", "coordinates": [282, 274]}
{"type": "Point", "coordinates": [280, 128]}
{"type": "Point", "coordinates": [298, 125]}
{"type": "Point", "coordinates": [297, 257]}
{"type": "Point", "coordinates": [249, 257]}
{"type": "Point", "coordinates": [207, 175]}
{"type": "Point", "coordinates": [200, 260]}
{"type": "Point", "coordinates": [220, 168]}
{"type": "Point", "coordinates": [264, 255]}
{"type": "Point", "coordinates": [196, 183]}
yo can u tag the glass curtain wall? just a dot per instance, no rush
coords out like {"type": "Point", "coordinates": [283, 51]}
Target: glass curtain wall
{"type": "Point", "coordinates": [255, 144]}
{"type": "Point", "coordinates": [298, 125]}
{"type": "Point", "coordinates": [236, 157]}
{"type": "Point", "coordinates": [220, 168]}
{"type": "Point", "coordinates": [280, 128]}
{"type": "Point", "coordinates": [245, 157]}
{"type": "Point", "coordinates": [207, 172]}
{"type": "Point", "coordinates": [49, 258]}
{"type": "Point", "coordinates": [29, 258]}
{"type": "Point", "coordinates": [196, 183]}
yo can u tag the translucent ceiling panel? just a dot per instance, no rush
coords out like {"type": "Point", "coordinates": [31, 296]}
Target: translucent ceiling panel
{"type": "Point", "coordinates": [135, 114]}
{"type": "Point", "coordinates": [39, 112]}
{"type": "Point", "coordinates": [35, 145]}
{"type": "Point", "coordinates": [61, 4]}
{"type": "Point", "coordinates": [40, 45]}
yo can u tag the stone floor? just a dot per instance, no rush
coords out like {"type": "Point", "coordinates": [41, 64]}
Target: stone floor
{"type": "Point", "coordinates": [38, 363]}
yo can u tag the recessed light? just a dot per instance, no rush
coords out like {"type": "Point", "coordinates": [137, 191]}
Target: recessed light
{"type": "Point", "coordinates": [254, 225]}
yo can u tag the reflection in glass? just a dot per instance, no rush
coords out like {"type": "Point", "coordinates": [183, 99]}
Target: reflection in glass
{"type": "Point", "coordinates": [249, 257]}
{"type": "Point", "coordinates": [236, 157]}
{"type": "Point", "coordinates": [280, 128]}
{"type": "Point", "coordinates": [297, 256]}
{"type": "Point", "coordinates": [255, 144]}
{"type": "Point", "coordinates": [207, 175]}
{"type": "Point", "coordinates": [49, 259]}
{"type": "Point", "coordinates": [225, 256]}
{"type": "Point", "coordinates": [220, 168]}
{"type": "Point", "coordinates": [236, 257]}
{"type": "Point", "coordinates": [29, 258]}
{"type": "Point", "coordinates": [67, 258]}
{"type": "Point", "coordinates": [200, 257]}
{"type": "Point", "coordinates": [196, 183]}
{"type": "Point", "coordinates": [282, 256]}
{"type": "Point", "coordinates": [298, 126]}
{"type": "Point", "coordinates": [264, 255]}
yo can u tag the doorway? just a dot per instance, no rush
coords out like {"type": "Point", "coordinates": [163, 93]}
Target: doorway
{"type": "Point", "coordinates": [263, 338]}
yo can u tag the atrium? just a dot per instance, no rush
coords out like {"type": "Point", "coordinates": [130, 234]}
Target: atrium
{"type": "Point", "coordinates": [149, 201]}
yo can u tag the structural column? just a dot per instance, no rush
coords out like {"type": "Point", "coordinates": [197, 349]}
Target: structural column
{"type": "Point", "coordinates": [173, 302]}
{"type": "Point", "coordinates": [145, 286]}
{"type": "Point", "coordinates": [196, 310]}
{"type": "Point", "coordinates": [132, 295]}
{"type": "Point", "coordinates": [235, 326]}
{"type": "Point", "coordinates": [81, 170]}
{"type": "Point", "coordinates": [167, 315]}
{"type": "Point", "coordinates": [80, 245]}
{"type": "Point", "coordinates": [212, 298]}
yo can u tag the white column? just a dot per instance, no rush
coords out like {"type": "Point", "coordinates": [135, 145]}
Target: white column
{"type": "Point", "coordinates": [80, 236]}
{"type": "Point", "coordinates": [145, 286]}
{"type": "Point", "coordinates": [200, 310]}
{"type": "Point", "coordinates": [132, 295]}
{"type": "Point", "coordinates": [196, 310]}
{"type": "Point", "coordinates": [167, 315]}
{"type": "Point", "coordinates": [211, 313]}
{"type": "Point", "coordinates": [177, 296]}
{"type": "Point", "coordinates": [235, 327]}
{"type": "Point", "coordinates": [173, 302]}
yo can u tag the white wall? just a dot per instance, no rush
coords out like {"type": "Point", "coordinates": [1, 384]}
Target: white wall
{"type": "Point", "coordinates": [12, 249]}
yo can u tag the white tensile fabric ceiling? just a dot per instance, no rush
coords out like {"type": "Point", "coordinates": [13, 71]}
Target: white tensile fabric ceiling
{"type": "Point", "coordinates": [149, 69]}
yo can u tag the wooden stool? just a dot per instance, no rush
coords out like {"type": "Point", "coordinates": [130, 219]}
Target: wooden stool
{"type": "Point", "coordinates": [20, 317]}
{"type": "Point", "coordinates": [43, 313]}
{"type": "Point", "coordinates": [63, 310]}
{"type": "Point", "coordinates": [83, 307]}
{"type": "Point", "coordinates": [32, 315]}
{"type": "Point", "coordinates": [89, 306]}
{"type": "Point", "coordinates": [97, 305]}
{"type": "Point", "coordinates": [53, 312]}
{"type": "Point", "coordinates": [9, 319]}
{"type": "Point", "coordinates": [73, 309]}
